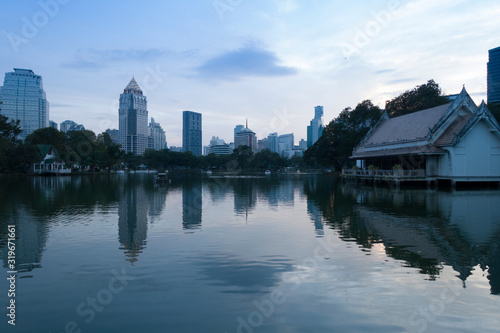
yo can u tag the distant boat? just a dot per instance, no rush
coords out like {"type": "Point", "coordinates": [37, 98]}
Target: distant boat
{"type": "Point", "coordinates": [161, 178]}
{"type": "Point", "coordinates": [267, 172]}
{"type": "Point", "coordinates": [209, 172]}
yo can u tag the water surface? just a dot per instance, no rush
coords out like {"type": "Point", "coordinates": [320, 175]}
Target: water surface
{"type": "Point", "coordinates": [296, 253]}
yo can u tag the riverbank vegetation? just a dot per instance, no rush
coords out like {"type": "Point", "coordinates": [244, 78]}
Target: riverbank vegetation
{"type": "Point", "coordinates": [86, 151]}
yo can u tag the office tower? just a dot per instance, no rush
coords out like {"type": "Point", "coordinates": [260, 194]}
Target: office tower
{"type": "Point", "coordinates": [272, 142]}
{"type": "Point", "coordinates": [494, 76]}
{"type": "Point", "coordinates": [191, 132]}
{"type": "Point", "coordinates": [302, 144]}
{"type": "Point", "coordinates": [262, 144]}
{"type": "Point", "coordinates": [133, 119]}
{"type": "Point", "coordinates": [315, 129]}
{"type": "Point", "coordinates": [238, 129]}
{"type": "Point", "coordinates": [285, 145]}
{"type": "Point", "coordinates": [24, 99]}
{"type": "Point", "coordinates": [218, 147]}
{"type": "Point", "coordinates": [66, 125]}
{"type": "Point", "coordinates": [246, 137]}
{"type": "Point", "coordinates": [157, 136]}
{"type": "Point", "coordinates": [52, 124]}
{"type": "Point", "coordinates": [114, 134]}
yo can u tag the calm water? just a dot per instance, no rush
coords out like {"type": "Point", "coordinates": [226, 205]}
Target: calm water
{"type": "Point", "coordinates": [288, 254]}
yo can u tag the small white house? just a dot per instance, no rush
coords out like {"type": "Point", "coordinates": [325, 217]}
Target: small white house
{"type": "Point", "coordinates": [458, 141]}
{"type": "Point", "coordinates": [52, 164]}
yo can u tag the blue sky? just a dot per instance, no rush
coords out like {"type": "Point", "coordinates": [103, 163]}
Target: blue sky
{"type": "Point", "coordinates": [270, 61]}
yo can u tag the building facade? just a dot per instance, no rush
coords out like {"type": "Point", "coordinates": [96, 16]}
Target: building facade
{"type": "Point", "coordinates": [52, 124]}
{"type": "Point", "coordinates": [133, 119]}
{"type": "Point", "coordinates": [457, 142]}
{"type": "Point", "coordinates": [23, 99]}
{"type": "Point", "coordinates": [285, 145]}
{"type": "Point", "coordinates": [66, 125]}
{"type": "Point", "coordinates": [315, 128]}
{"type": "Point", "coordinates": [272, 142]}
{"type": "Point", "coordinates": [191, 132]}
{"type": "Point", "coordinates": [114, 134]}
{"type": "Point", "coordinates": [494, 76]}
{"type": "Point", "coordinates": [157, 138]}
{"type": "Point", "coordinates": [246, 137]}
{"type": "Point", "coordinates": [218, 147]}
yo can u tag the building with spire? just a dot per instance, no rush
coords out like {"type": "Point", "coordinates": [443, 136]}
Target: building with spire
{"type": "Point", "coordinates": [133, 119]}
{"type": "Point", "coordinates": [23, 99]}
{"type": "Point", "coordinates": [246, 137]}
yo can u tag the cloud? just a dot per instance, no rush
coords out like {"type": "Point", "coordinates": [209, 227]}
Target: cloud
{"type": "Point", "coordinates": [250, 60]}
{"type": "Point", "coordinates": [94, 59]}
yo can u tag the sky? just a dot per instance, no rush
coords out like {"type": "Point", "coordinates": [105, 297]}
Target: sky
{"type": "Point", "coordinates": [268, 61]}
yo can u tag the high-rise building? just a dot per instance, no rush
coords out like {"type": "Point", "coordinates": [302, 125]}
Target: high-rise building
{"type": "Point", "coordinates": [302, 144]}
{"type": "Point", "coordinates": [494, 76]}
{"type": "Point", "coordinates": [66, 125]}
{"type": "Point", "coordinates": [52, 124]}
{"type": "Point", "coordinates": [315, 129]}
{"type": "Point", "coordinates": [218, 147]}
{"type": "Point", "coordinates": [191, 132]}
{"type": "Point", "coordinates": [133, 119]}
{"type": "Point", "coordinates": [114, 134]}
{"type": "Point", "coordinates": [262, 144]}
{"type": "Point", "coordinates": [157, 136]}
{"type": "Point", "coordinates": [272, 142]}
{"type": "Point", "coordinates": [285, 145]}
{"type": "Point", "coordinates": [24, 99]}
{"type": "Point", "coordinates": [246, 137]}
{"type": "Point", "coordinates": [238, 129]}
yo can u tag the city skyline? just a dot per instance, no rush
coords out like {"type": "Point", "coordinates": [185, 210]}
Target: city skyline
{"type": "Point", "coordinates": [272, 60]}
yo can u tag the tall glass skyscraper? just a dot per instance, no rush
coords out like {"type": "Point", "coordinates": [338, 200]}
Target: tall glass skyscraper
{"type": "Point", "coordinates": [24, 99]}
{"type": "Point", "coordinates": [133, 119]}
{"type": "Point", "coordinates": [494, 76]}
{"type": "Point", "coordinates": [191, 132]}
{"type": "Point", "coordinates": [315, 129]}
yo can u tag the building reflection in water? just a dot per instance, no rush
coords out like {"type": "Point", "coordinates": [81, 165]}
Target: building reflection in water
{"type": "Point", "coordinates": [245, 196]}
{"type": "Point", "coordinates": [425, 228]}
{"type": "Point", "coordinates": [191, 205]}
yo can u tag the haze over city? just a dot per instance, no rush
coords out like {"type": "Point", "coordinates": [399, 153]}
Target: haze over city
{"type": "Point", "coordinates": [268, 61]}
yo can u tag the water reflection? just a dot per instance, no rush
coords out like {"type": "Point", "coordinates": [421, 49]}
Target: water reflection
{"type": "Point", "coordinates": [424, 228]}
{"type": "Point", "coordinates": [133, 220]}
{"type": "Point", "coordinates": [191, 205]}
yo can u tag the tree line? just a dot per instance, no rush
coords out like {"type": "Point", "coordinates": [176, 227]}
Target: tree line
{"type": "Point", "coordinates": [91, 152]}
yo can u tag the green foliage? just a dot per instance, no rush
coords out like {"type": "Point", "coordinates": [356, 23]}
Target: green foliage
{"type": "Point", "coordinates": [342, 135]}
{"type": "Point", "coordinates": [47, 136]}
{"type": "Point", "coordinates": [419, 98]}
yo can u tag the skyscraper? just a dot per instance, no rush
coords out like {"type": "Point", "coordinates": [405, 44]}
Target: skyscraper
{"type": "Point", "coordinates": [315, 129]}
{"type": "Point", "coordinates": [52, 124]}
{"type": "Point", "coordinates": [494, 76]}
{"type": "Point", "coordinates": [133, 119]}
{"type": "Point", "coordinates": [157, 136]}
{"type": "Point", "coordinates": [191, 132]}
{"type": "Point", "coordinates": [272, 142]}
{"type": "Point", "coordinates": [24, 99]}
{"type": "Point", "coordinates": [246, 137]}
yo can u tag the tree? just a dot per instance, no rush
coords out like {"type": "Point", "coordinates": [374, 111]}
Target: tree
{"type": "Point", "coordinates": [419, 98]}
{"type": "Point", "coordinates": [342, 135]}
{"type": "Point", "coordinates": [47, 136]}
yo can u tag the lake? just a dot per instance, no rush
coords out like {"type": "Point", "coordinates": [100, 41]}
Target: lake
{"type": "Point", "coordinates": [288, 253]}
